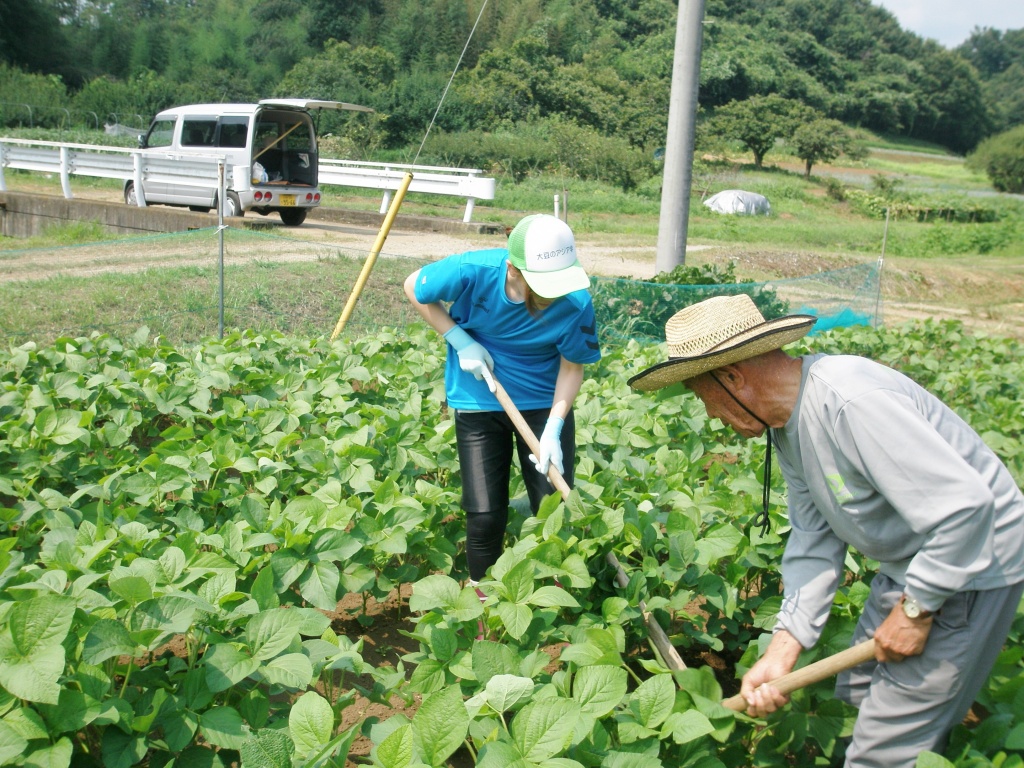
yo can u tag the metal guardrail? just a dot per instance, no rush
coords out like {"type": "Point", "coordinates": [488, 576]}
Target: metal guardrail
{"type": "Point", "coordinates": [431, 179]}
{"type": "Point", "coordinates": [67, 160]}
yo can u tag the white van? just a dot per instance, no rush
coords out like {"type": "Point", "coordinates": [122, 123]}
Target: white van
{"type": "Point", "coordinates": [270, 153]}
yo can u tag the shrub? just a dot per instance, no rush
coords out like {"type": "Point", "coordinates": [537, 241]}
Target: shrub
{"type": "Point", "coordinates": [1001, 157]}
{"type": "Point", "coordinates": [555, 145]}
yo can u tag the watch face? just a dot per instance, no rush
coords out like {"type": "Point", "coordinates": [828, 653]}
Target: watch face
{"type": "Point", "coordinates": [911, 609]}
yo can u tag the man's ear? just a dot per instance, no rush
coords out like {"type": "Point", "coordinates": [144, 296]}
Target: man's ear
{"type": "Point", "coordinates": [732, 375]}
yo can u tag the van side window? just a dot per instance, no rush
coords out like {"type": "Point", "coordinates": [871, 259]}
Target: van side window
{"type": "Point", "coordinates": [233, 132]}
{"type": "Point", "coordinates": [160, 134]}
{"type": "Point", "coordinates": [198, 132]}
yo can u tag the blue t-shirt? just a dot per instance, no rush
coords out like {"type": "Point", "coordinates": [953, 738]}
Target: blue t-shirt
{"type": "Point", "coordinates": [527, 350]}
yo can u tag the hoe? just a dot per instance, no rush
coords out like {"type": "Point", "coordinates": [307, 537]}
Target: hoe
{"type": "Point", "coordinates": [812, 673]}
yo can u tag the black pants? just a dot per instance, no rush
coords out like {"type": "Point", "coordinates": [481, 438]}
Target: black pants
{"type": "Point", "coordinates": [485, 441]}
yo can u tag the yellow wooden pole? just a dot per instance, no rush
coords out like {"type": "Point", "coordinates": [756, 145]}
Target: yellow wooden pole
{"type": "Point", "coordinates": [372, 258]}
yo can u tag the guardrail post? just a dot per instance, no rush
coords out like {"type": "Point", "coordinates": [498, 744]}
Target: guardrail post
{"type": "Point", "coordinates": [386, 202]}
{"type": "Point", "coordinates": [3, 162]}
{"type": "Point", "coordinates": [470, 204]}
{"type": "Point", "coordinates": [140, 198]}
{"type": "Point", "coordinates": [65, 172]}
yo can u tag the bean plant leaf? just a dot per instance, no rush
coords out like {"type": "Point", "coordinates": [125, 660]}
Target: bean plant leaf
{"type": "Point", "coordinates": [396, 750]}
{"type": "Point", "coordinates": [515, 617]}
{"type": "Point", "coordinates": [27, 723]}
{"type": "Point", "coordinates": [121, 750]}
{"type": "Point", "coordinates": [267, 748]}
{"type": "Point", "coordinates": [198, 757]}
{"type": "Point", "coordinates": [500, 754]}
{"type": "Point", "coordinates": [292, 670]}
{"type": "Point", "coordinates": [428, 677]}
{"type": "Point", "coordinates": [33, 676]}
{"type": "Point", "coordinates": [553, 597]}
{"type": "Point", "coordinates": [598, 647]}
{"type": "Point", "coordinates": [132, 588]}
{"type": "Point", "coordinates": [686, 726]}
{"type": "Point", "coordinates": [40, 621]}
{"type": "Point", "coordinates": [263, 591]}
{"type": "Point", "coordinates": [434, 592]}
{"type": "Point", "coordinates": [653, 699]}
{"type": "Point", "coordinates": [544, 728]}
{"type": "Point", "coordinates": [444, 644]}
{"type": "Point", "coordinates": [62, 427]}
{"type": "Point", "coordinates": [223, 727]}
{"type": "Point", "coordinates": [54, 756]}
{"type": "Point", "coordinates": [599, 689]}
{"type": "Point", "coordinates": [1015, 738]}
{"type": "Point", "coordinates": [12, 743]}
{"type": "Point", "coordinates": [73, 712]}
{"type": "Point", "coordinates": [310, 723]}
{"type": "Point", "coordinates": [932, 760]}
{"type": "Point", "coordinates": [440, 725]}
{"type": "Point", "coordinates": [226, 666]}
{"type": "Point", "coordinates": [169, 614]}
{"type": "Point", "coordinates": [503, 692]}
{"type": "Point", "coordinates": [630, 760]}
{"type": "Point", "coordinates": [767, 612]}
{"type": "Point", "coordinates": [319, 585]}
{"type": "Point", "coordinates": [718, 541]}
{"type": "Point", "coordinates": [268, 633]}
{"type": "Point", "coordinates": [490, 659]}
{"type": "Point", "coordinates": [518, 582]}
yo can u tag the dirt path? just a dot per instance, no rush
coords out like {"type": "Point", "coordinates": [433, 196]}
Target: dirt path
{"type": "Point", "coordinates": [986, 294]}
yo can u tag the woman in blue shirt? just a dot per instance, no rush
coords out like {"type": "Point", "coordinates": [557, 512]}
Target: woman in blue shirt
{"type": "Point", "coordinates": [524, 314]}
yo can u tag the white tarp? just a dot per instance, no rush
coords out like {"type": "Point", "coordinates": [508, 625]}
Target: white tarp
{"type": "Point", "coordinates": [738, 201]}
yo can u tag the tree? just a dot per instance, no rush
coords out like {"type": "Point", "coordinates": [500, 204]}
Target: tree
{"type": "Point", "coordinates": [31, 37]}
{"type": "Point", "coordinates": [758, 122]}
{"type": "Point", "coordinates": [820, 141]}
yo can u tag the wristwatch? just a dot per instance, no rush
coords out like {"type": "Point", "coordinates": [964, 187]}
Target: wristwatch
{"type": "Point", "coordinates": [912, 608]}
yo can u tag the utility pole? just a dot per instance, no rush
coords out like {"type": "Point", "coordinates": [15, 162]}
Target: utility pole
{"type": "Point", "coordinates": [682, 126]}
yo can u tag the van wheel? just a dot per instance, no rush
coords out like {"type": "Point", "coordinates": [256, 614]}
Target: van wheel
{"type": "Point", "coordinates": [292, 217]}
{"type": "Point", "coordinates": [130, 198]}
{"type": "Point", "coordinates": [232, 206]}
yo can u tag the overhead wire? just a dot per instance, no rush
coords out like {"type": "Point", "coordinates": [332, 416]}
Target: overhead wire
{"type": "Point", "coordinates": [450, 79]}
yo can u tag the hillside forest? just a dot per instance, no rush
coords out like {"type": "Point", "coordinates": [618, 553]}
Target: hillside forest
{"type": "Point", "coordinates": [591, 77]}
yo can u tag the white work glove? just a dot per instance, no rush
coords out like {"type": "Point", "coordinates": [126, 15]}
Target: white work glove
{"type": "Point", "coordinates": [473, 357]}
{"type": "Point", "coordinates": [550, 447]}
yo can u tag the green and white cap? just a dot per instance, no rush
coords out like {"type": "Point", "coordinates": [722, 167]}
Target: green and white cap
{"type": "Point", "coordinates": [543, 248]}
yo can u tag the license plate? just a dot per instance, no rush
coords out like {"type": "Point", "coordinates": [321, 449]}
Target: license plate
{"type": "Point", "coordinates": [287, 199]}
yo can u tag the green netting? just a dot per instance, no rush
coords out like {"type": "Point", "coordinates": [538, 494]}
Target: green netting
{"type": "Point", "coordinates": [631, 309]}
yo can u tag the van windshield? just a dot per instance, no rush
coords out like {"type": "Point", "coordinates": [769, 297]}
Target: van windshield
{"type": "Point", "coordinates": [160, 133]}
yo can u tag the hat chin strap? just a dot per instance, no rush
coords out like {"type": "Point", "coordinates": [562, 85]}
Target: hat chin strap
{"type": "Point", "coordinates": [766, 488]}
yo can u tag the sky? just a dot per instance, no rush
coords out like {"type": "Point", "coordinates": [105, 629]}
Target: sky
{"type": "Point", "coordinates": [950, 21]}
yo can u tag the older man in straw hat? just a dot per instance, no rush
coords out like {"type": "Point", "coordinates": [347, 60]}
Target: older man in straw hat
{"type": "Point", "coordinates": [875, 462]}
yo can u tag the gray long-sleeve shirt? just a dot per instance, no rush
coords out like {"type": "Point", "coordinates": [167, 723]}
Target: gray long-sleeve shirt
{"type": "Point", "coordinates": [874, 461]}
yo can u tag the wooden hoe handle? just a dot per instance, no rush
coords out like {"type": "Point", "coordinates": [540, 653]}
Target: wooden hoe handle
{"type": "Point", "coordinates": [662, 644]}
{"type": "Point", "coordinates": [816, 672]}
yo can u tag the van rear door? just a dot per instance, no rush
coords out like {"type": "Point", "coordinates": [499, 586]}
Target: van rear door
{"type": "Point", "coordinates": [308, 104]}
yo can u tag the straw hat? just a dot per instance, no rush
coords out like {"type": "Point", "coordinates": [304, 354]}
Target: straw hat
{"type": "Point", "coordinates": [717, 332]}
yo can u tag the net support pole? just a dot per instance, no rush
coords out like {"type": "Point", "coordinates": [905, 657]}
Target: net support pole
{"type": "Point", "coordinates": [221, 186]}
{"type": "Point", "coordinates": [382, 235]}
{"type": "Point", "coordinates": [881, 264]}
